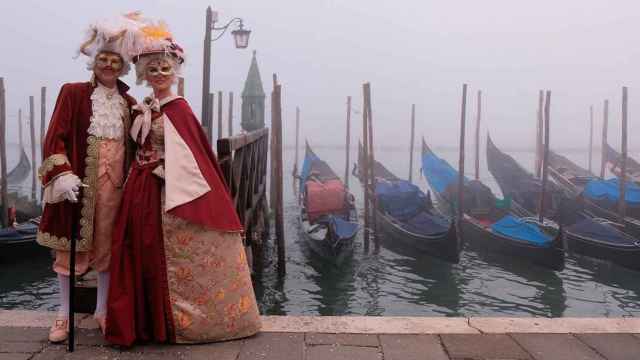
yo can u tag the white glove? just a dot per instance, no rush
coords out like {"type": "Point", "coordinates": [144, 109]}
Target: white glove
{"type": "Point", "coordinates": [66, 187]}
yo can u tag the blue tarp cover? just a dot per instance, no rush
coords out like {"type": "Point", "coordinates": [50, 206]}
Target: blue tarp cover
{"type": "Point", "coordinates": [306, 168]}
{"type": "Point", "coordinates": [602, 232]}
{"type": "Point", "coordinates": [342, 228]}
{"type": "Point", "coordinates": [426, 224]}
{"type": "Point", "coordinates": [438, 172]}
{"type": "Point", "coordinates": [400, 198]}
{"type": "Point", "coordinates": [516, 228]}
{"type": "Point", "coordinates": [609, 190]}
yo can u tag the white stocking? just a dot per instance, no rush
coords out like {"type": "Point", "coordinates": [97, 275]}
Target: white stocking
{"type": "Point", "coordinates": [103, 293]}
{"type": "Point", "coordinates": [63, 282]}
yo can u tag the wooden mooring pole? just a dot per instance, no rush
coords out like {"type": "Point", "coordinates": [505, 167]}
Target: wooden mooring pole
{"type": "Point", "coordinates": [539, 131]}
{"type": "Point", "coordinates": [364, 172]}
{"type": "Point", "coordinates": [373, 204]}
{"type": "Point", "coordinates": [545, 160]}
{"type": "Point", "coordinates": [605, 125]}
{"type": "Point", "coordinates": [623, 166]}
{"type": "Point", "coordinates": [207, 97]}
{"type": "Point", "coordinates": [591, 139]}
{"type": "Point", "coordinates": [477, 139]}
{"type": "Point", "coordinates": [3, 157]}
{"type": "Point", "coordinates": [272, 160]}
{"type": "Point", "coordinates": [463, 116]}
{"type": "Point", "coordinates": [295, 165]}
{"type": "Point", "coordinates": [208, 121]}
{"type": "Point", "coordinates": [32, 131]}
{"type": "Point", "coordinates": [43, 118]}
{"type": "Point", "coordinates": [20, 133]}
{"type": "Point", "coordinates": [230, 119]}
{"type": "Point", "coordinates": [43, 124]}
{"type": "Point", "coordinates": [220, 135]}
{"type": "Point", "coordinates": [348, 143]}
{"type": "Point", "coordinates": [277, 129]}
{"type": "Point", "coordinates": [412, 141]}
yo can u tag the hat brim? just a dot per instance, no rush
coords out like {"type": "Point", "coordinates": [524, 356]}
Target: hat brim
{"type": "Point", "coordinates": [178, 58]}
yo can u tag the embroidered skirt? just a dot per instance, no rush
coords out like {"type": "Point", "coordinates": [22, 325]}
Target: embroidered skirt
{"type": "Point", "coordinates": [173, 281]}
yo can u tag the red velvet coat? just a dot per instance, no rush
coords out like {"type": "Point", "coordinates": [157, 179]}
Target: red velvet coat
{"type": "Point", "coordinates": [69, 148]}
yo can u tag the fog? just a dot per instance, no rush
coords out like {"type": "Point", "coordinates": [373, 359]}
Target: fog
{"type": "Point", "coordinates": [410, 51]}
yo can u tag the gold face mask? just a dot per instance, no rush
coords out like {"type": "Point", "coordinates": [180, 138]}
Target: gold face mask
{"type": "Point", "coordinates": [161, 67]}
{"type": "Point", "coordinates": [114, 61]}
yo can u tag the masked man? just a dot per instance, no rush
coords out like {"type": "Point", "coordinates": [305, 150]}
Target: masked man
{"type": "Point", "coordinates": [84, 156]}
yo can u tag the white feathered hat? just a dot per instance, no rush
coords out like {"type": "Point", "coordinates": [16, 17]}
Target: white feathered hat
{"type": "Point", "coordinates": [152, 37]}
{"type": "Point", "coordinates": [115, 35]}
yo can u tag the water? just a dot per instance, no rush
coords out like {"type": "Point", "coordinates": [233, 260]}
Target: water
{"type": "Point", "coordinates": [392, 282]}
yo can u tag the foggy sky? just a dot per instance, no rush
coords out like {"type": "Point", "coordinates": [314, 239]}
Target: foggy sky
{"type": "Point", "coordinates": [411, 51]}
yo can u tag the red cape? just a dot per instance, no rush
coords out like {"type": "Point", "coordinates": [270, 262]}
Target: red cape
{"type": "Point", "coordinates": [214, 209]}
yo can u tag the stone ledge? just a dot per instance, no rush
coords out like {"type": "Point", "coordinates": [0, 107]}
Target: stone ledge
{"type": "Point", "coordinates": [555, 325]}
{"type": "Point", "coordinates": [383, 324]}
{"type": "Point", "coordinates": [367, 325]}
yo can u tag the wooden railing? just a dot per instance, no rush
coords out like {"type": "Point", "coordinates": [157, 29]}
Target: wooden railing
{"type": "Point", "coordinates": [243, 159]}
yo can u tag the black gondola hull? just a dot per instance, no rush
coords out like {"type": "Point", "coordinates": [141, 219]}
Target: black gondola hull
{"type": "Point", "coordinates": [631, 225]}
{"type": "Point", "coordinates": [624, 255]}
{"type": "Point", "coordinates": [325, 250]}
{"type": "Point", "coordinates": [481, 239]}
{"type": "Point", "coordinates": [445, 246]}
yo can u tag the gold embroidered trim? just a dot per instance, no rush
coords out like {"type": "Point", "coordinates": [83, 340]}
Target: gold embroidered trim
{"type": "Point", "coordinates": [89, 193]}
{"type": "Point", "coordinates": [59, 243]}
{"type": "Point", "coordinates": [51, 162]}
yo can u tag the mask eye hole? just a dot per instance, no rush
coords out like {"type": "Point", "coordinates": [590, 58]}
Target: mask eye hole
{"type": "Point", "coordinates": [116, 63]}
{"type": "Point", "coordinates": [102, 60]}
{"type": "Point", "coordinates": [153, 71]}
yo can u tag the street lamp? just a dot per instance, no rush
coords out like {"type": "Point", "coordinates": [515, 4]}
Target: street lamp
{"type": "Point", "coordinates": [241, 38]}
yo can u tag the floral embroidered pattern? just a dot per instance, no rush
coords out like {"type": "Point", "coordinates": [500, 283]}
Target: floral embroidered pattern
{"type": "Point", "coordinates": [210, 288]}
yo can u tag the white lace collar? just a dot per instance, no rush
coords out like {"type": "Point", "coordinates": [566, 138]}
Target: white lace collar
{"type": "Point", "coordinates": [108, 112]}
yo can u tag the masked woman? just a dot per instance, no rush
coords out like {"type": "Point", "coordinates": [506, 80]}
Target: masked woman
{"type": "Point", "coordinates": [179, 272]}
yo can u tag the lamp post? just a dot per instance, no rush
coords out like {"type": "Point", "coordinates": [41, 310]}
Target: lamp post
{"type": "Point", "coordinates": [241, 39]}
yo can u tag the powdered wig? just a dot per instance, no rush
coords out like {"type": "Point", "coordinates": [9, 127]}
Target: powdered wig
{"type": "Point", "coordinates": [145, 60]}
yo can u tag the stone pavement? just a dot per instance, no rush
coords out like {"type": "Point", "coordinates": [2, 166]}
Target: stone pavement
{"type": "Point", "coordinates": [30, 343]}
{"type": "Point", "coordinates": [23, 336]}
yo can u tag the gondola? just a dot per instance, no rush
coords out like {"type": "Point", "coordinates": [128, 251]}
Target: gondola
{"type": "Point", "coordinates": [488, 223]}
{"type": "Point", "coordinates": [599, 197]}
{"type": "Point", "coordinates": [327, 212]}
{"type": "Point", "coordinates": [406, 215]}
{"type": "Point", "coordinates": [25, 208]}
{"type": "Point", "coordinates": [19, 239]}
{"type": "Point", "coordinates": [614, 159]}
{"type": "Point", "coordinates": [21, 171]}
{"type": "Point", "coordinates": [585, 234]}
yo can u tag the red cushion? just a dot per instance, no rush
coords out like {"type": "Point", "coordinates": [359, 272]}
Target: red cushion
{"type": "Point", "coordinates": [324, 198]}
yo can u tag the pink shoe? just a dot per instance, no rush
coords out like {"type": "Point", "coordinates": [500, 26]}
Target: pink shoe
{"type": "Point", "coordinates": [59, 331]}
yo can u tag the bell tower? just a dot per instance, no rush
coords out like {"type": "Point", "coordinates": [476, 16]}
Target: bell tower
{"type": "Point", "coordinates": [253, 99]}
